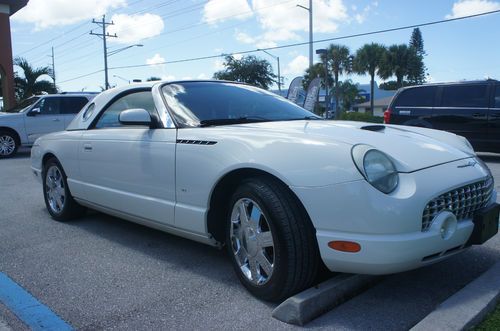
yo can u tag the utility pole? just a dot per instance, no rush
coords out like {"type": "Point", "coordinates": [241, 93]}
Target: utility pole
{"type": "Point", "coordinates": [104, 35]}
{"type": "Point", "coordinates": [53, 68]}
{"type": "Point", "coordinates": [310, 10]}
{"type": "Point", "coordinates": [277, 58]}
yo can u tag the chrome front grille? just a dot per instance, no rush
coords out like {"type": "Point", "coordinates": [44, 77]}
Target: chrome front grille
{"type": "Point", "coordinates": [462, 202]}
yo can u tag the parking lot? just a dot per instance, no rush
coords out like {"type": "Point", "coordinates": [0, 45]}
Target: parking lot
{"type": "Point", "coordinates": [100, 272]}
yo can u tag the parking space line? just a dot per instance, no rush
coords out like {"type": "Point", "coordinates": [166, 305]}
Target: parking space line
{"type": "Point", "coordinates": [33, 313]}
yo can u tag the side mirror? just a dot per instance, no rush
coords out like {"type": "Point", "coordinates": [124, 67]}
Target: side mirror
{"type": "Point", "coordinates": [34, 112]}
{"type": "Point", "coordinates": [135, 116]}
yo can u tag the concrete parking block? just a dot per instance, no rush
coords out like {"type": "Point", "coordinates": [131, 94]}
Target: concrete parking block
{"type": "Point", "coordinates": [467, 307]}
{"type": "Point", "coordinates": [311, 303]}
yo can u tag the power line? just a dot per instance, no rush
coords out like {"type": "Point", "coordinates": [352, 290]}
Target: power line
{"type": "Point", "coordinates": [406, 27]}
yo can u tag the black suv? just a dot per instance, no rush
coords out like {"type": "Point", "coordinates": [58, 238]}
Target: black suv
{"type": "Point", "coordinates": [470, 109]}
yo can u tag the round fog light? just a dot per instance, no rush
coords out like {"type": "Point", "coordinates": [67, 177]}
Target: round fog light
{"type": "Point", "coordinates": [446, 223]}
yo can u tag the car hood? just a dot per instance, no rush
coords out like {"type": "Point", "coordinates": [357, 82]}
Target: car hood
{"type": "Point", "coordinates": [9, 116]}
{"type": "Point", "coordinates": [411, 148]}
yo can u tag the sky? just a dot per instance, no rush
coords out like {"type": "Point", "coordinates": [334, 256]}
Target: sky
{"type": "Point", "coordinates": [185, 29]}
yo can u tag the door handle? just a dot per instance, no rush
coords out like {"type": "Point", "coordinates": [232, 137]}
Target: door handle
{"type": "Point", "coordinates": [495, 115]}
{"type": "Point", "coordinates": [87, 147]}
{"type": "Point", "coordinates": [477, 115]}
{"type": "Point", "coordinates": [56, 120]}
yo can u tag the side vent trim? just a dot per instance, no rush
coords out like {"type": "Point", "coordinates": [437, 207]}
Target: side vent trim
{"type": "Point", "coordinates": [195, 142]}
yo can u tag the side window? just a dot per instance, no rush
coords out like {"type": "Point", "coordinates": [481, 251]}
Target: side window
{"type": "Point", "coordinates": [465, 96]}
{"type": "Point", "coordinates": [109, 119]}
{"type": "Point", "coordinates": [497, 96]}
{"type": "Point", "coordinates": [49, 106]}
{"type": "Point", "coordinates": [72, 105]}
{"type": "Point", "coordinates": [417, 97]}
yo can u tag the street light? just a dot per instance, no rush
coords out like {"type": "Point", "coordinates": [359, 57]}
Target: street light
{"type": "Point", "coordinates": [277, 58]}
{"type": "Point", "coordinates": [310, 10]}
{"type": "Point", "coordinates": [325, 53]}
{"type": "Point", "coordinates": [113, 52]}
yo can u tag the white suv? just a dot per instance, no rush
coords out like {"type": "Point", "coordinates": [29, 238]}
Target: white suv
{"type": "Point", "coordinates": [36, 116]}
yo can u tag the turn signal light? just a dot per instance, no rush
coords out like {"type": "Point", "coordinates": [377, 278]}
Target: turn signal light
{"type": "Point", "coordinates": [345, 246]}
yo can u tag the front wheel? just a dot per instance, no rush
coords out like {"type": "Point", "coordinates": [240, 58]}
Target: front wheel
{"type": "Point", "coordinates": [271, 240]}
{"type": "Point", "coordinates": [8, 144]}
{"type": "Point", "coordinates": [58, 199]}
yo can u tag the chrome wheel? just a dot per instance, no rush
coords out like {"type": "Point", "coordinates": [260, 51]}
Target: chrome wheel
{"type": "Point", "coordinates": [7, 145]}
{"type": "Point", "coordinates": [252, 241]}
{"type": "Point", "coordinates": [54, 188]}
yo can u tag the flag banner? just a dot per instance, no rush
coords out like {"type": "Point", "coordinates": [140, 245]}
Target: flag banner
{"type": "Point", "coordinates": [312, 94]}
{"type": "Point", "coordinates": [295, 91]}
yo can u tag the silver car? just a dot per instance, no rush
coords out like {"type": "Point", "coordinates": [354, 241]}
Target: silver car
{"type": "Point", "coordinates": [36, 116]}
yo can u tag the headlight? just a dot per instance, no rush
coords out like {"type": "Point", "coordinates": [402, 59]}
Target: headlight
{"type": "Point", "coordinates": [377, 168]}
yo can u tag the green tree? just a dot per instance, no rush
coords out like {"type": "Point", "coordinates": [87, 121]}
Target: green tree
{"type": "Point", "coordinates": [152, 79]}
{"type": "Point", "coordinates": [340, 63]}
{"type": "Point", "coordinates": [348, 93]}
{"type": "Point", "coordinates": [368, 60]}
{"type": "Point", "coordinates": [396, 62]}
{"type": "Point", "coordinates": [249, 69]}
{"type": "Point", "coordinates": [416, 67]}
{"type": "Point", "coordinates": [31, 83]}
{"type": "Point", "coordinates": [317, 70]}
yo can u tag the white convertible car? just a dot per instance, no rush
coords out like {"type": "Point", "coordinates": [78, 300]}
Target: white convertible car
{"type": "Point", "coordinates": [228, 164]}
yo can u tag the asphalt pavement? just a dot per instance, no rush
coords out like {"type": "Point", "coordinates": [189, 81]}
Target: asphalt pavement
{"type": "Point", "coordinates": [100, 272]}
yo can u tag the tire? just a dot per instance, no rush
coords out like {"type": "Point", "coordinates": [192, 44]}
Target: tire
{"type": "Point", "coordinates": [58, 200]}
{"type": "Point", "coordinates": [275, 252]}
{"type": "Point", "coordinates": [8, 144]}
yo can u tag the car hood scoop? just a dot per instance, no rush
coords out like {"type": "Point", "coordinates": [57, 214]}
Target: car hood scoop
{"type": "Point", "coordinates": [375, 128]}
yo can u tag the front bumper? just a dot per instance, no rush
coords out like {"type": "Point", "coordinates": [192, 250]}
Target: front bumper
{"type": "Point", "coordinates": [387, 227]}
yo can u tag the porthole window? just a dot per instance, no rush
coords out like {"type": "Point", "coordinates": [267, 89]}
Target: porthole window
{"type": "Point", "coordinates": [88, 112]}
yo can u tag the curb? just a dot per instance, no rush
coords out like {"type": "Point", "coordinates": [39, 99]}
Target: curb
{"type": "Point", "coordinates": [315, 301]}
{"type": "Point", "coordinates": [467, 307]}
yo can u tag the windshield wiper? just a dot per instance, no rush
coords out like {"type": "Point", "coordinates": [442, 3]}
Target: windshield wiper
{"type": "Point", "coordinates": [228, 121]}
{"type": "Point", "coordinates": [310, 117]}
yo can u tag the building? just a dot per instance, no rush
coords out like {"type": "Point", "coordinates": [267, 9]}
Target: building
{"type": "Point", "coordinates": [7, 9]}
{"type": "Point", "coordinates": [379, 106]}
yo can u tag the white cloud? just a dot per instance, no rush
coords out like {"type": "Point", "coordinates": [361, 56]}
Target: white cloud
{"type": "Point", "coordinates": [471, 7]}
{"type": "Point", "coordinates": [283, 21]}
{"type": "Point", "coordinates": [156, 60]}
{"type": "Point", "coordinates": [360, 17]}
{"type": "Point", "coordinates": [218, 64]}
{"type": "Point", "coordinates": [297, 66]}
{"type": "Point", "coordinates": [134, 28]}
{"type": "Point", "coordinates": [222, 10]}
{"type": "Point", "coordinates": [244, 38]}
{"type": "Point", "coordinates": [49, 13]}
{"type": "Point", "coordinates": [202, 76]}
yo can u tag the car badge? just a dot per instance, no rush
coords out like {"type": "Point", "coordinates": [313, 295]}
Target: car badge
{"type": "Point", "coordinates": [468, 164]}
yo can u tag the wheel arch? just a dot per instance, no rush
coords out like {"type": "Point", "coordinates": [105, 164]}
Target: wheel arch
{"type": "Point", "coordinates": [225, 187]}
{"type": "Point", "coordinates": [16, 134]}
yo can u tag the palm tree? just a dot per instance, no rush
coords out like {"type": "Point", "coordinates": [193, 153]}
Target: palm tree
{"type": "Point", "coordinates": [30, 84]}
{"type": "Point", "coordinates": [396, 62]}
{"type": "Point", "coordinates": [368, 60]}
{"type": "Point", "coordinates": [340, 61]}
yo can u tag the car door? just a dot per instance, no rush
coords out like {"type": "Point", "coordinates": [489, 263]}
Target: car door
{"type": "Point", "coordinates": [70, 106]}
{"type": "Point", "coordinates": [44, 117]}
{"type": "Point", "coordinates": [130, 169]}
{"type": "Point", "coordinates": [494, 123]}
{"type": "Point", "coordinates": [463, 109]}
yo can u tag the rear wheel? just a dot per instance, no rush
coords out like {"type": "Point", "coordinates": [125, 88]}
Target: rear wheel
{"type": "Point", "coordinates": [270, 240]}
{"type": "Point", "coordinates": [8, 144]}
{"type": "Point", "coordinates": [58, 199]}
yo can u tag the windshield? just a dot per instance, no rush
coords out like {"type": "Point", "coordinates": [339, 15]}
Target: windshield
{"type": "Point", "coordinates": [20, 107]}
{"type": "Point", "coordinates": [216, 103]}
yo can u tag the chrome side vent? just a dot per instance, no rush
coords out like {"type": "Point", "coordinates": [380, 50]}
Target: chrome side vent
{"type": "Point", "coordinates": [196, 142]}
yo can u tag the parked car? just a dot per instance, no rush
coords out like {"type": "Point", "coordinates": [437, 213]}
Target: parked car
{"type": "Point", "coordinates": [229, 164]}
{"type": "Point", "coordinates": [470, 109]}
{"type": "Point", "coordinates": [36, 116]}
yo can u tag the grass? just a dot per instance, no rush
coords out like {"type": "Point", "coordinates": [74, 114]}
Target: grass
{"type": "Point", "coordinates": [491, 322]}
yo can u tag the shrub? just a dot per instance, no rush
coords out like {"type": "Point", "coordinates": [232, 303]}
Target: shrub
{"type": "Point", "coordinates": [361, 117]}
